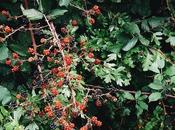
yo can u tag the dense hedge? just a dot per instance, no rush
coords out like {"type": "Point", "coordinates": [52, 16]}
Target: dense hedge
{"type": "Point", "coordinates": [87, 64]}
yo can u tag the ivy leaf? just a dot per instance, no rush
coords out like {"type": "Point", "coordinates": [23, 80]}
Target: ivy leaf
{"type": "Point", "coordinates": [64, 2]}
{"type": "Point", "coordinates": [32, 14]}
{"type": "Point", "coordinates": [32, 126]}
{"type": "Point", "coordinates": [155, 96]}
{"type": "Point", "coordinates": [56, 12]}
{"type": "Point", "coordinates": [3, 52]}
{"type": "Point", "coordinates": [128, 96]}
{"type": "Point", "coordinates": [5, 95]}
{"type": "Point", "coordinates": [130, 44]}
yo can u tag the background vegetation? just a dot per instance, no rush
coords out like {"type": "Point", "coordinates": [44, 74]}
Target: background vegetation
{"type": "Point", "coordinates": [87, 64]}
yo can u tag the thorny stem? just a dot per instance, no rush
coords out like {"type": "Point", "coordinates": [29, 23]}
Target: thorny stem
{"type": "Point", "coordinates": [34, 43]}
{"type": "Point", "coordinates": [58, 43]}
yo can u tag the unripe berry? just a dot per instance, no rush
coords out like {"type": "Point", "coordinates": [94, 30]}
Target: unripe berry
{"type": "Point", "coordinates": [92, 21]}
{"type": "Point", "coordinates": [15, 69]}
{"type": "Point", "coordinates": [66, 40]}
{"type": "Point", "coordinates": [43, 40]}
{"type": "Point", "coordinates": [7, 29]}
{"type": "Point", "coordinates": [91, 55]}
{"type": "Point", "coordinates": [18, 96]}
{"type": "Point", "coordinates": [54, 91]}
{"type": "Point", "coordinates": [8, 61]}
{"type": "Point", "coordinates": [46, 52]}
{"type": "Point", "coordinates": [60, 83]}
{"type": "Point", "coordinates": [74, 22]}
{"type": "Point", "coordinates": [97, 61]}
{"type": "Point", "coordinates": [15, 56]}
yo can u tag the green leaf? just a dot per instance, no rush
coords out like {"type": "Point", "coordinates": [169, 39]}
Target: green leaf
{"type": "Point", "coordinates": [32, 126]}
{"type": "Point", "coordinates": [156, 21]}
{"type": "Point", "coordinates": [1, 118]}
{"type": "Point", "coordinates": [143, 40]}
{"type": "Point", "coordinates": [32, 14]}
{"type": "Point", "coordinates": [132, 28]}
{"type": "Point", "coordinates": [64, 2]}
{"type": "Point", "coordinates": [3, 52]}
{"type": "Point", "coordinates": [147, 62]}
{"type": "Point", "coordinates": [18, 113]}
{"type": "Point", "coordinates": [157, 85]}
{"type": "Point", "coordinates": [5, 95]}
{"type": "Point", "coordinates": [128, 96]}
{"type": "Point", "coordinates": [155, 96]}
{"type": "Point", "coordinates": [143, 105]}
{"type": "Point", "coordinates": [4, 111]}
{"type": "Point", "coordinates": [138, 94]}
{"type": "Point", "coordinates": [170, 71]}
{"type": "Point", "coordinates": [130, 44]}
{"type": "Point", "coordinates": [171, 40]}
{"type": "Point", "coordinates": [9, 126]}
{"type": "Point", "coordinates": [154, 67]}
{"type": "Point", "coordinates": [56, 13]}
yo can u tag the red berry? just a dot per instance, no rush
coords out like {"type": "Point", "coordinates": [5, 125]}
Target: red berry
{"type": "Point", "coordinates": [46, 52]}
{"type": "Point", "coordinates": [68, 60]}
{"type": "Point", "coordinates": [15, 56]}
{"type": "Point", "coordinates": [82, 107]}
{"type": "Point", "coordinates": [8, 62]}
{"type": "Point", "coordinates": [60, 83]}
{"type": "Point", "coordinates": [93, 119]}
{"type": "Point", "coordinates": [5, 13]}
{"type": "Point", "coordinates": [7, 29]}
{"type": "Point", "coordinates": [92, 21]}
{"type": "Point", "coordinates": [61, 74]}
{"type": "Point", "coordinates": [95, 7]}
{"type": "Point", "coordinates": [91, 55]}
{"type": "Point", "coordinates": [18, 96]}
{"type": "Point", "coordinates": [47, 109]}
{"type": "Point", "coordinates": [49, 59]}
{"type": "Point", "coordinates": [66, 40]}
{"type": "Point", "coordinates": [50, 114]}
{"type": "Point", "coordinates": [58, 105]}
{"type": "Point", "coordinates": [31, 51]}
{"type": "Point", "coordinates": [97, 61]}
{"type": "Point", "coordinates": [43, 40]}
{"type": "Point", "coordinates": [79, 77]}
{"type": "Point", "coordinates": [98, 103]}
{"type": "Point", "coordinates": [54, 91]}
{"type": "Point", "coordinates": [15, 69]}
{"type": "Point", "coordinates": [64, 30]}
{"type": "Point", "coordinates": [74, 22]}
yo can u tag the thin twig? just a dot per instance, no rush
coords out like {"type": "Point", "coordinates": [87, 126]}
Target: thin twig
{"type": "Point", "coordinates": [123, 90]}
